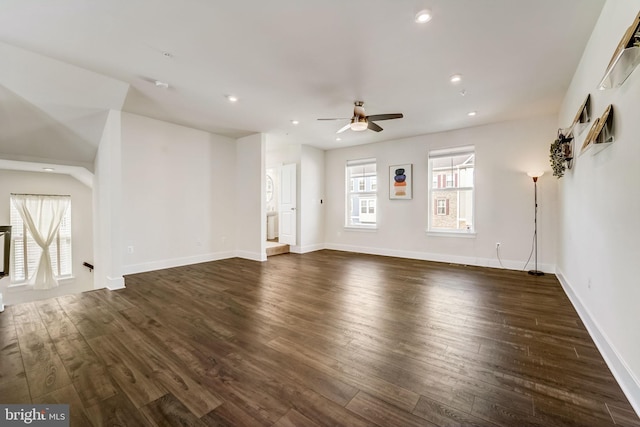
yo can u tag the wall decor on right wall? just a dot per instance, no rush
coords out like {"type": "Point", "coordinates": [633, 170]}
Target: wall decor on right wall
{"type": "Point", "coordinates": [625, 58]}
{"type": "Point", "coordinates": [601, 132]}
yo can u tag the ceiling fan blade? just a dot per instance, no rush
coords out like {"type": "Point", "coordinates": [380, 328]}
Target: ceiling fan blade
{"type": "Point", "coordinates": [378, 117]}
{"type": "Point", "coordinates": [374, 127]}
{"type": "Point", "coordinates": [343, 128]}
{"type": "Point", "coordinates": [341, 118]}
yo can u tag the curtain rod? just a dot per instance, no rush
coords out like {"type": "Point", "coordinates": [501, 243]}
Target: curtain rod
{"type": "Point", "coordinates": [50, 195]}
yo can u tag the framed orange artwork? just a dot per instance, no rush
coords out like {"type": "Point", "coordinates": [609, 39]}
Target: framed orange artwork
{"type": "Point", "coordinates": [401, 181]}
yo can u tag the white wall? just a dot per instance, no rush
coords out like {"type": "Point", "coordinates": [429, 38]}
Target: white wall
{"type": "Point", "coordinates": [107, 206]}
{"type": "Point", "coordinates": [249, 215]}
{"type": "Point", "coordinates": [503, 206]}
{"type": "Point", "coordinates": [82, 228]}
{"type": "Point", "coordinates": [310, 207]}
{"type": "Point", "coordinates": [600, 207]}
{"type": "Point", "coordinates": [178, 195]}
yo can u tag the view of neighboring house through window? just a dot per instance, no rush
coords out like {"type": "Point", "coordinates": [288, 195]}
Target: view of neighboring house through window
{"type": "Point", "coordinates": [26, 252]}
{"type": "Point", "coordinates": [361, 193]}
{"type": "Point", "coordinates": [451, 190]}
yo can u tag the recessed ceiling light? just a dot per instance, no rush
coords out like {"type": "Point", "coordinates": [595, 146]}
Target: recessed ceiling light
{"type": "Point", "coordinates": [294, 122]}
{"type": "Point", "coordinates": [232, 98]}
{"type": "Point", "coordinates": [48, 169]}
{"type": "Point", "coordinates": [472, 113]}
{"type": "Point", "coordinates": [163, 85]}
{"type": "Point", "coordinates": [423, 16]}
{"type": "Point", "coordinates": [456, 78]}
{"type": "Point", "coordinates": [338, 138]}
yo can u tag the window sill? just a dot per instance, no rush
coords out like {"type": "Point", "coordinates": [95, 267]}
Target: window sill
{"type": "Point", "coordinates": [23, 286]}
{"type": "Point", "coordinates": [462, 234]}
{"type": "Point", "coordinates": [360, 228]}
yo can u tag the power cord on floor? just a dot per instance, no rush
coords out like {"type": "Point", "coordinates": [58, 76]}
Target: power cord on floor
{"type": "Point", "coordinates": [498, 255]}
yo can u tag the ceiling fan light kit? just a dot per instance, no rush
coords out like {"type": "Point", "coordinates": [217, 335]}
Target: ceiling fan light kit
{"type": "Point", "coordinates": [359, 124]}
{"type": "Point", "coordinates": [360, 121]}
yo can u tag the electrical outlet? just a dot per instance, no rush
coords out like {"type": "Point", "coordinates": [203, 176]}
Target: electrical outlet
{"type": "Point", "coordinates": [129, 249]}
{"type": "Point", "coordinates": [497, 245]}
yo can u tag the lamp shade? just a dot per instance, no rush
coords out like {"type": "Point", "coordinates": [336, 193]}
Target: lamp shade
{"type": "Point", "coordinates": [535, 174]}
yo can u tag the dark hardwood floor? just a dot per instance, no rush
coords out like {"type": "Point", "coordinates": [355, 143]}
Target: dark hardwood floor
{"type": "Point", "coordinates": [325, 338]}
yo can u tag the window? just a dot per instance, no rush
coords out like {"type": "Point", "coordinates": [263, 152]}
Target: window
{"type": "Point", "coordinates": [27, 253]}
{"type": "Point", "coordinates": [452, 190]}
{"type": "Point", "coordinates": [361, 193]}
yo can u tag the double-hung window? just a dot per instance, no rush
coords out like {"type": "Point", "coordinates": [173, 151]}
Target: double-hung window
{"type": "Point", "coordinates": [451, 190]}
{"type": "Point", "coordinates": [361, 194]}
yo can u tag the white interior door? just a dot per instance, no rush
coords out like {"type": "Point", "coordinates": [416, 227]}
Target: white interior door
{"type": "Point", "coordinates": [288, 209]}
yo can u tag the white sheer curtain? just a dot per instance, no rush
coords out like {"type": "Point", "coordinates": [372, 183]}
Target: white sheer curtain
{"type": "Point", "coordinates": [42, 216]}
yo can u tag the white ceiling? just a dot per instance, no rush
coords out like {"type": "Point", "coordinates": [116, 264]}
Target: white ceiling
{"type": "Point", "coordinates": [307, 59]}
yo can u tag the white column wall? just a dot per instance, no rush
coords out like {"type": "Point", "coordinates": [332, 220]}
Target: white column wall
{"type": "Point", "coordinates": [311, 200]}
{"type": "Point", "coordinates": [107, 203]}
{"type": "Point", "coordinates": [249, 187]}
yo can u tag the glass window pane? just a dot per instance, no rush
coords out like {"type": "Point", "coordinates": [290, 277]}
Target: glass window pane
{"type": "Point", "coordinates": [454, 210]}
{"type": "Point", "coordinates": [451, 190]}
{"type": "Point", "coordinates": [360, 192]}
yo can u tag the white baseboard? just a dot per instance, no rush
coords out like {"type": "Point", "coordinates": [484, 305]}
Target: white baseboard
{"type": "Point", "coordinates": [115, 283]}
{"type": "Point", "coordinates": [307, 248]}
{"type": "Point", "coordinates": [175, 262]}
{"type": "Point", "coordinates": [448, 258]}
{"type": "Point", "coordinates": [253, 256]}
{"type": "Point", "coordinates": [625, 377]}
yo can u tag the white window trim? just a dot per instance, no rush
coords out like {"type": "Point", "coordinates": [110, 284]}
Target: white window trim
{"type": "Point", "coordinates": [450, 233]}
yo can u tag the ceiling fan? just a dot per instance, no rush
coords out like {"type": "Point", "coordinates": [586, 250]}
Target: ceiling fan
{"type": "Point", "coordinates": [360, 121]}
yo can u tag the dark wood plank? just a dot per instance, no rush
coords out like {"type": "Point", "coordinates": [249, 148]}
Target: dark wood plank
{"type": "Point", "coordinates": [443, 415]}
{"type": "Point", "coordinates": [6, 317]}
{"type": "Point", "coordinates": [177, 379]}
{"type": "Point", "coordinates": [229, 414]}
{"type": "Point", "coordinates": [169, 411]}
{"type": "Point", "coordinates": [350, 374]}
{"type": "Point", "coordinates": [57, 323]}
{"type": "Point", "coordinates": [383, 414]}
{"type": "Point", "coordinates": [11, 365]}
{"type": "Point", "coordinates": [87, 372]}
{"type": "Point", "coordinates": [624, 416]}
{"type": "Point", "coordinates": [116, 410]}
{"type": "Point", "coordinates": [15, 390]}
{"type": "Point", "coordinates": [44, 369]}
{"type": "Point", "coordinates": [294, 418]}
{"type": "Point", "coordinates": [131, 375]}
{"type": "Point", "coordinates": [68, 396]}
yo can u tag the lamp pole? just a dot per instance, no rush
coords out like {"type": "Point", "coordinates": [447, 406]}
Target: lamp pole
{"type": "Point", "coordinates": [535, 176]}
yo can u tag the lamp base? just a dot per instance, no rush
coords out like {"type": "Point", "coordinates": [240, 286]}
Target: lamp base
{"type": "Point", "coordinates": [536, 273]}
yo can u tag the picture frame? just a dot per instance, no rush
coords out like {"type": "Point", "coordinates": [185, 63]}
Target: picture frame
{"type": "Point", "coordinates": [401, 182]}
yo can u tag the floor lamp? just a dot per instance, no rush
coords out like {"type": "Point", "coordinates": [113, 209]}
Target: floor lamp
{"type": "Point", "coordinates": [535, 176]}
